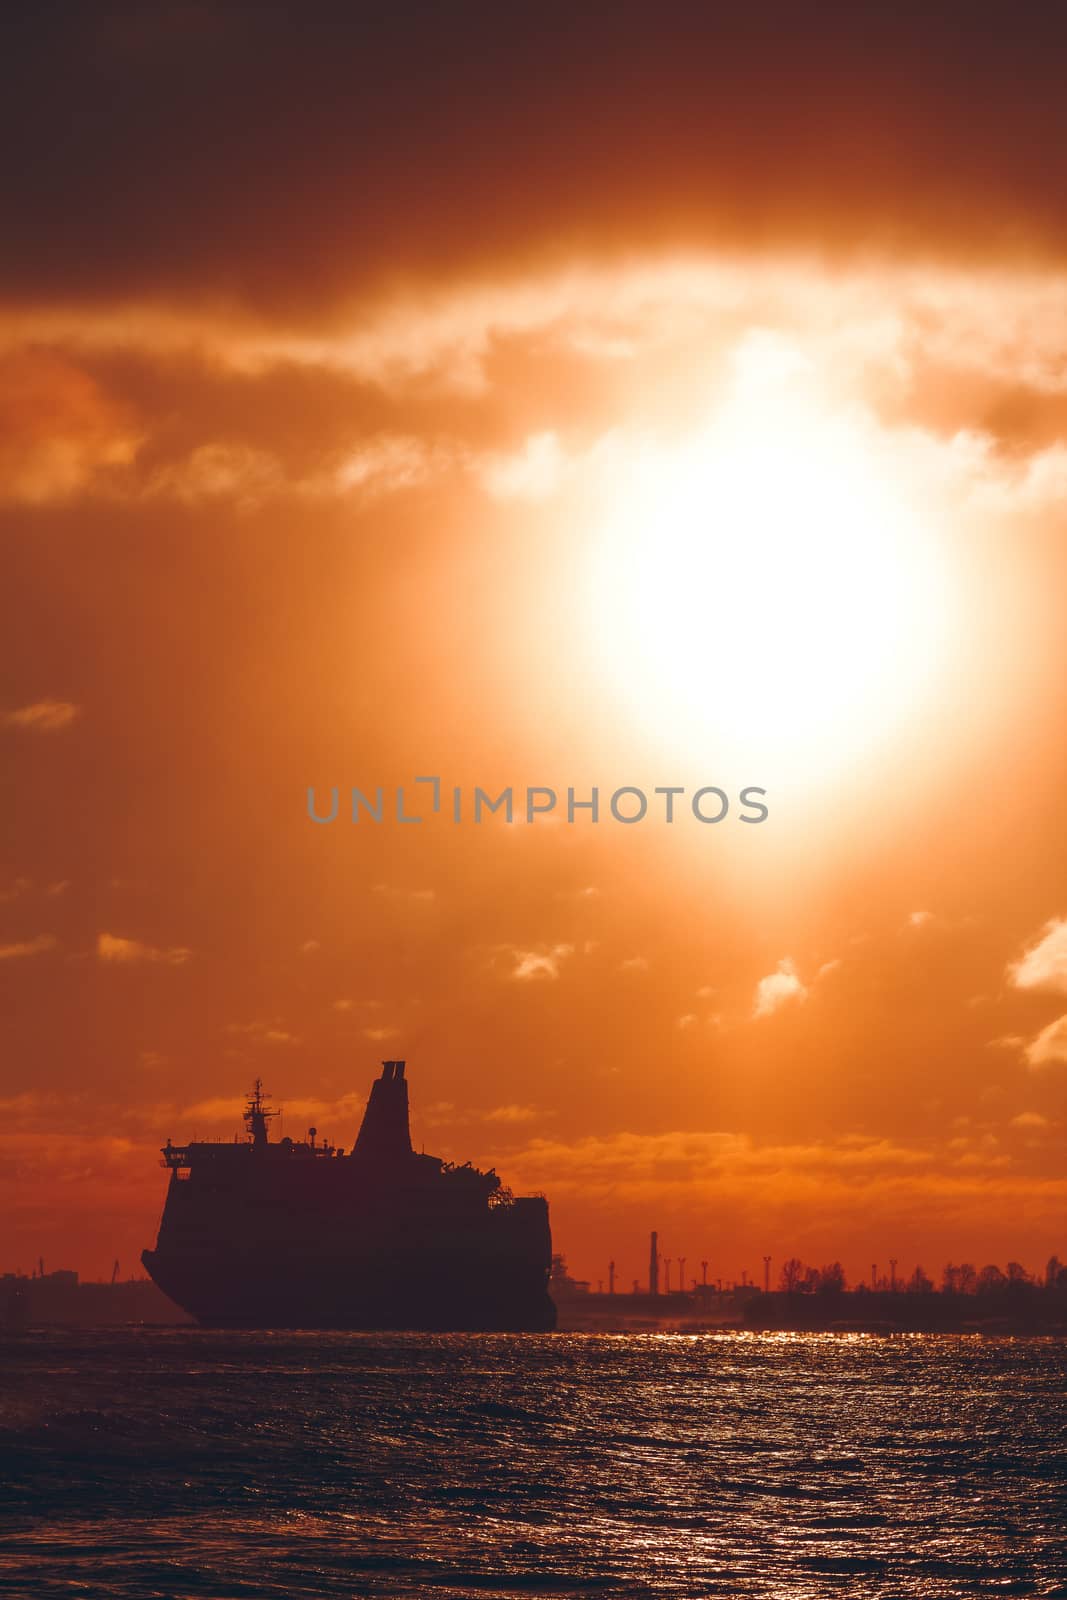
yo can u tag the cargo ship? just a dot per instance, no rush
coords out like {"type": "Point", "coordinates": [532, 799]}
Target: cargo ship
{"type": "Point", "coordinates": [290, 1233]}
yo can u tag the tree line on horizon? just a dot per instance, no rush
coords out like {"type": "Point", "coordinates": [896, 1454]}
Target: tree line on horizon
{"type": "Point", "coordinates": [796, 1277]}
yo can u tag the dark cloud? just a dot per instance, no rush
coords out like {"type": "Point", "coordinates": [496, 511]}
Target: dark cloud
{"type": "Point", "coordinates": [283, 154]}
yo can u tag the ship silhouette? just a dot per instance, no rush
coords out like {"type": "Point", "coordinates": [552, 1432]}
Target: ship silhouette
{"type": "Point", "coordinates": [297, 1234]}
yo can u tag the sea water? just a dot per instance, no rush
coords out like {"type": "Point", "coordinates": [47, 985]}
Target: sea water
{"type": "Point", "coordinates": [181, 1462]}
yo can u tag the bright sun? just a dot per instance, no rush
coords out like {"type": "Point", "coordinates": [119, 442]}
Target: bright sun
{"type": "Point", "coordinates": [769, 586]}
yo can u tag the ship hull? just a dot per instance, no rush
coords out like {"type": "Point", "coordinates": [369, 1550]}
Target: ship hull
{"type": "Point", "coordinates": [420, 1293]}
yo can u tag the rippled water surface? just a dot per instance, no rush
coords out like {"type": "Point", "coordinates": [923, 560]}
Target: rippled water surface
{"type": "Point", "coordinates": [186, 1463]}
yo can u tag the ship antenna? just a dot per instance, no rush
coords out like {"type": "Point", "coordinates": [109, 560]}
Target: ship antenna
{"type": "Point", "coordinates": [257, 1114]}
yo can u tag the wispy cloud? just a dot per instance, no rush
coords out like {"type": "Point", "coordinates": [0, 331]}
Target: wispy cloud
{"type": "Point", "coordinates": [511, 1114]}
{"type": "Point", "coordinates": [44, 716]}
{"type": "Point", "coordinates": [28, 947]}
{"type": "Point", "coordinates": [396, 894]}
{"type": "Point", "coordinates": [534, 473]}
{"type": "Point", "coordinates": [634, 964]}
{"type": "Point", "coordinates": [247, 477]}
{"type": "Point", "coordinates": [880, 329]}
{"type": "Point", "coordinates": [61, 432]}
{"type": "Point", "coordinates": [779, 988]}
{"type": "Point", "coordinates": [264, 1032]}
{"type": "Point", "coordinates": [242, 475]}
{"type": "Point", "coordinates": [110, 947]}
{"type": "Point", "coordinates": [385, 465]}
{"type": "Point", "coordinates": [636, 1164]}
{"type": "Point", "coordinates": [543, 963]}
{"type": "Point", "coordinates": [1049, 1048]}
{"type": "Point", "coordinates": [1044, 964]}
{"type": "Point", "coordinates": [439, 1114]}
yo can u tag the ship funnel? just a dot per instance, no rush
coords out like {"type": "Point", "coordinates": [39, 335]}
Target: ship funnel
{"type": "Point", "coordinates": [384, 1133]}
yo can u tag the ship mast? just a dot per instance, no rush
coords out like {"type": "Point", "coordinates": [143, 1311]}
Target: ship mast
{"type": "Point", "coordinates": [257, 1115]}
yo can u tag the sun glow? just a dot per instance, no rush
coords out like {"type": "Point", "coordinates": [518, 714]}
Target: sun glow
{"type": "Point", "coordinates": [770, 585]}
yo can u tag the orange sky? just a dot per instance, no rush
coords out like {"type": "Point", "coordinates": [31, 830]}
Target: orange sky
{"type": "Point", "coordinates": [588, 402]}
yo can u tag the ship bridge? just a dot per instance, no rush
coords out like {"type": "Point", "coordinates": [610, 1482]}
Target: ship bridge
{"type": "Point", "coordinates": [258, 1114]}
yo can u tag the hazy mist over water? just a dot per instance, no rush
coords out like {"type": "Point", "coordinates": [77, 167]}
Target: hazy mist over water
{"type": "Point", "coordinates": [188, 1463]}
